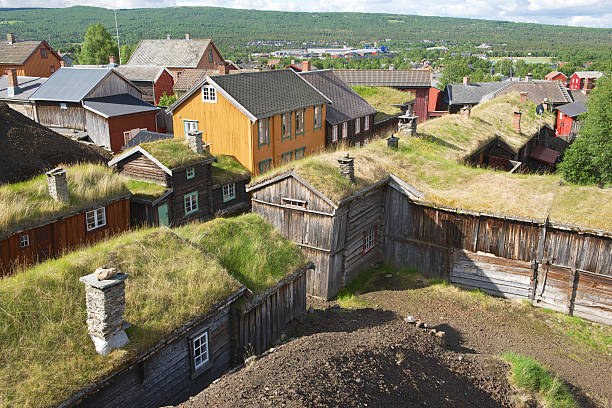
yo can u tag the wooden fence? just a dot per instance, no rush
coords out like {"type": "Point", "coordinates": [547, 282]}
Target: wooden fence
{"type": "Point", "coordinates": [263, 319]}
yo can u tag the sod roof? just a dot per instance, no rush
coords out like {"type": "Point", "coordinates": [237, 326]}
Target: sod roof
{"type": "Point", "coordinates": [227, 169]}
{"type": "Point", "coordinates": [144, 189]}
{"type": "Point", "coordinates": [172, 153]}
{"type": "Point", "coordinates": [433, 164]}
{"type": "Point", "coordinates": [382, 99]}
{"type": "Point", "coordinates": [28, 203]}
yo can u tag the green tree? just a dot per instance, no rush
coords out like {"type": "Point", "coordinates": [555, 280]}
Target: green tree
{"type": "Point", "coordinates": [97, 46]}
{"type": "Point", "coordinates": [589, 159]}
{"type": "Point", "coordinates": [167, 100]}
{"type": "Point", "coordinates": [454, 72]}
{"type": "Point", "coordinates": [126, 52]}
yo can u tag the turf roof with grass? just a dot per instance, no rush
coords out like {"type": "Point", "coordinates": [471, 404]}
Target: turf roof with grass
{"type": "Point", "coordinates": [174, 153]}
{"type": "Point", "coordinates": [26, 203]}
{"type": "Point", "coordinates": [143, 189]}
{"type": "Point", "coordinates": [432, 164]}
{"type": "Point", "coordinates": [227, 169]}
{"type": "Point", "coordinates": [382, 99]}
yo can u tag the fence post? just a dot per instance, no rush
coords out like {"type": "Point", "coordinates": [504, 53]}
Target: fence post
{"type": "Point", "coordinates": [533, 282]}
{"type": "Point", "coordinates": [571, 291]}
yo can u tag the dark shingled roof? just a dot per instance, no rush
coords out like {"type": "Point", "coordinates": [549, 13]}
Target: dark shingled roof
{"type": "Point", "coordinates": [577, 95]}
{"type": "Point", "coordinates": [169, 53]}
{"type": "Point", "coordinates": [18, 52]}
{"type": "Point", "coordinates": [460, 94]}
{"type": "Point", "coordinates": [146, 136]}
{"type": "Point", "coordinates": [346, 103]}
{"type": "Point", "coordinates": [383, 77]}
{"type": "Point", "coordinates": [118, 105]}
{"type": "Point", "coordinates": [573, 109]}
{"type": "Point", "coordinates": [544, 154]}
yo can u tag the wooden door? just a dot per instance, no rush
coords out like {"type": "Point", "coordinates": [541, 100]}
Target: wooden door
{"type": "Point", "coordinates": [162, 215]}
{"type": "Point", "coordinates": [43, 241]}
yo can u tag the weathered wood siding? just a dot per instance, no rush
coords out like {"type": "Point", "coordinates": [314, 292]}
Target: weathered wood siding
{"type": "Point", "coordinates": [113, 84]}
{"type": "Point", "coordinates": [97, 129]}
{"type": "Point", "coordinates": [385, 128]}
{"type": "Point", "coordinates": [139, 167]}
{"type": "Point", "coordinates": [50, 114]}
{"type": "Point", "coordinates": [240, 203]}
{"type": "Point", "coordinates": [182, 186]}
{"type": "Point", "coordinates": [351, 137]}
{"type": "Point", "coordinates": [264, 318]}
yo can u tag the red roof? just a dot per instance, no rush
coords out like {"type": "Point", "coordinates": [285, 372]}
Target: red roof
{"type": "Point", "coordinates": [544, 154]}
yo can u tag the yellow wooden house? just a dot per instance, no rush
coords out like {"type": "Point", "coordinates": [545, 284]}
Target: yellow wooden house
{"type": "Point", "coordinates": [263, 119]}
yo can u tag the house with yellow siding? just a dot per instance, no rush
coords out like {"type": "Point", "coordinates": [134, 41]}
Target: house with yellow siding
{"type": "Point", "coordinates": [263, 119]}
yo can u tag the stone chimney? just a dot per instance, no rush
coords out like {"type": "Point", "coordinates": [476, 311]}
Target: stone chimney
{"type": "Point", "coordinates": [10, 38]}
{"type": "Point", "coordinates": [194, 140]}
{"type": "Point", "coordinates": [13, 82]}
{"type": "Point", "coordinates": [346, 164]}
{"type": "Point", "coordinates": [62, 63]}
{"type": "Point", "coordinates": [523, 97]}
{"type": "Point", "coordinates": [105, 300]}
{"type": "Point", "coordinates": [466, 111]}
{"type": "Point", "coordinates": [306, 66]}
{"type": "Point", "coordinates": [516, 121]}
{"type": "Point", "coordinates": [528, 77]}
{"type": "Point", "coordinates": [58, 185]}
{"type": "Point", "coordinates": [466, 80]}
{"type": "Point", "coordinates": [167, 36]}
{"type": "Point", "coordinates": [187, 37]}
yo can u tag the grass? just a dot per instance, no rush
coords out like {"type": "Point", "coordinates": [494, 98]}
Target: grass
{"type": "Point", "coordinates": [145, 190]}
{"type": "Point", "coordinates": [530, 375]}
{"type": "Point", "coordinates": [248, 247]}
{"type": "Point", "coordinates": [174, 153]}
{"type": "Point", "coordinates": [589, 336]}
{"type": "Point", "coordinates": [27, 202]}
{"type": "Point", "coordinates": [227, 169]}
{"type": "Point", "coordinates": [46, 354]}
{"type": "Point", "coordinates": [382, 98]}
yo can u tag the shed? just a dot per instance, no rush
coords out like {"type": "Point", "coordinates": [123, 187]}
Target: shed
{"type": "Point", "coordinates": [154, 81]}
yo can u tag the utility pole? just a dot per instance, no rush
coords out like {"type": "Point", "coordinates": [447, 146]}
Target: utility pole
{"type": "Point", "coordinates": [117, 31]}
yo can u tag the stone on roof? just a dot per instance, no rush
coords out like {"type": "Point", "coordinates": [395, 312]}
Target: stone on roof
{"type": "Point", "coordinates": [18, 52]}
{"type": "Point", "coordinates": [70, 84]}
{"type": "Point", "coordinates": [573, 109]}
{"type": "Point", "coordinates": [173, 53]}
{"type": "Point", "coordinates": [346, 103]}
{"type": "Point", "coordinates": [140, 72]}
{"type": "Point", "coordinates": [117, 105]}
{"type": "Point", "coordinates": [383, 77]}
{"type": "Point", "coordinates": [190, 77]}
{"type": "Point", "coordinates": [27, 86]}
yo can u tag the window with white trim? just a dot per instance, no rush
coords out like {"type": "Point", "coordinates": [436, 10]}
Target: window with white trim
{"type": "Point", "coordinates": [24, 241]}
{"type": "Point", "coordinates": [357, 125]}
{"type": "Point", "coordinates": [366, 123]}
{"type": "Point", "coordinates": [200, 350]}
{"type": "Point", "coordinates": [190, 125]}
{"type": "Point", "coordinates": [334, 133]}
{"type": "Point", "coordinates": [191, 202]}
{"type": "Point", "coordinates": [209, 94]}
{"type": "Point", "coordinates": [345, 130]}
{"type": "Point", "coordinates": [369, 239]}
{"type": "Point", "coordinates": [95, 218]}
{"type": "Point", "coordinates": [229, 192]}
{"type": "Point", "coordinates": [190, 173]}
{"type": "Point", "coordinates": [264, 131]}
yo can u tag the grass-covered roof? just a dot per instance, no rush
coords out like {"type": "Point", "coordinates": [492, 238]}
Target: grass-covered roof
{"type": "Point", "coordinates": [144, 189]}
{"type": "Point", "coordinates": [227, 169]}
{"type": "Point", "coordinates": [174, 153]}
{"type": "Point", "coordinates": [26, 203]}
{"type": "Point", "coordinates": [382, 99]}
{"type": "Point", "coordinates": [433, 164]}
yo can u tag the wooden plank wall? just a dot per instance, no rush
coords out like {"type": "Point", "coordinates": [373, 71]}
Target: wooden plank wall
{"type": "Point", "coordinates": [263, 320]}
{"type": "Point", "coordinates": [50, 114]}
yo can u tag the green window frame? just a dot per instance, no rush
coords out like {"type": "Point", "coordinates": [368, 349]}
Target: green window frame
{"type": "Point", "coordinates": [263, 132]}
{"type": "Point", "coordinates": [299, 120]}
{"type": "Point", "coordinates": [287, 157]}
{"type": "Point", "coordinates": [317, 117]}
{"type": "Point", "coordinates": [190, 173]}
{"type": "Point", "coordinates": [299, 153]}
{"type": "Point", "coordinates": [265, 165]}
{"type": "Point", "coordinates": [191, 203]}
{"type": "Point", "coordinates": [285, 126]}
{"type": "Point", "coordinates": [229, 192]}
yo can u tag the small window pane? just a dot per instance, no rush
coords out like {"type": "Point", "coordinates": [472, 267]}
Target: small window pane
{"type": "Point", "coordinates": [190, 173]}
{"type": "Point", "coordinates": [229, 192]}
{"type": "Point", "coordinates": [200, 350]}
{"type": "Point", "coordinates": [24, 241]}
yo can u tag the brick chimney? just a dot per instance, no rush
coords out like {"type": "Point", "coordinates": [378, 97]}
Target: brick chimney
{"type": "Point", "coordinates": [58, 184]}
{"type": "Point", "coordinates": [466, 80]}
{"type": "Point", "coordinates": [105, 300]}
{"type": "Point", "coordinates": [13, 82]}
{"type": "Point", "coordinates": [187, 37]}
{"type": "Point", "coordinates": [112, 61]}
{"type": "Point", "coordinates": [194, 140]}
{"type": "Point", "coordinates": [523, 97]}
{"type": "Point", "coordinates": [346, 164]}
{"type": "Point", "coordinates": [516, 121]}
{"type": "Point", "coordinates": [589, 84]}
{"type": "Point", "coordinates": [10, 38]}
{"type": "Point", "coordinates": [306, 66]}
{"type": "Point", "coordinates": [224, 68]}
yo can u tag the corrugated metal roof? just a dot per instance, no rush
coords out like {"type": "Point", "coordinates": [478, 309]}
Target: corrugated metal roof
{"type": "Point", "coordinates": [27, 86]}
{"type": "Point", "coordinates": [118, 105]}
{"type": "Point", "coordinates": [414, 78]}
{"type": "Point", "coordinates": [18, 52]}
{"type": "Point", "coordinates": [70, 84]}
{"type": "Point", "coordinates": [140, 72]}
{"type": "Point", "coordinates": [573, 109]}
{"type": "Point", "coordinates": [169, 53]}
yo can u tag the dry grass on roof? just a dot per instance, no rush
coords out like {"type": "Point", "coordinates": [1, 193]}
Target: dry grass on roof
{"type": "Point", "coordinates": [174, 153]}
{"type": "Point", "coordinates": [23, 204]}
{"type": "Point", "coordinates": [382, 99]}
{"type": "Point", "coordinates": [46, 354]}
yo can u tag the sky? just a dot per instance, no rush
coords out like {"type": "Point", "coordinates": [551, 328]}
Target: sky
{"type": "Point", "coordinates": [588, 13]}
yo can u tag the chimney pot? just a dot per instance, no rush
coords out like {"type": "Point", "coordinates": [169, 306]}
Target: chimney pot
{"type": "Point", "coordinates": [105, 300]}
{"type": "Point", "coordinates": [466, 80]}
{"type": "Point", "coordinates": [346, 164]}
{"type": "Point", "coordinates": [10, 38]}
{"type": "Point", "coordinates": [58, 185]}
{"type": "Point", "coordinates": [523, 97]}
{"type": "Point", "coordinates": [516, 122]}
{"type": "Point", "coordinates": [13, 82]}
{"type": "Point", "coordinates": [194, 140]}
{"type": "Point", "coordinates": [187, 36]}
{"type": "Point", "coordinates": [306, 66]}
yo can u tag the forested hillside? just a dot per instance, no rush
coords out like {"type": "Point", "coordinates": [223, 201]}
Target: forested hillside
{"type": "Point", "coordinates": [233, 28]}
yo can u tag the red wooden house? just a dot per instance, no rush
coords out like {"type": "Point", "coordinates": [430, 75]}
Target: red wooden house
{"type": "Point", "coordinates": [154, 81]}
{"type": "Point", "coordinates": [556, 76]}
{"type": "Point", "coordinates": [567, 118]}
{"type": "Point", "coordinates": [584, 80]}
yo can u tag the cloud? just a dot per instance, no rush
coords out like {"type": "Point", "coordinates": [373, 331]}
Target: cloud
{"type": "Point", "coordinates": [590, 13]}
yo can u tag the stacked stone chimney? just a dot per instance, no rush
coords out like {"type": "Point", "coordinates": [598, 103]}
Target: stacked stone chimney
{"type": "Point", "coordinates": [105, 300]}
{"type": "Point", "coordinates": [194, 140]}
{"type": "Point", "coordinates": [306, 66]}
{"type": "Point", "coordinates": [346, 164]}
{"type": "Point", "coordinates": [168, 36]}
{"type": "Point", "coordinates": [523, 97]}
{"type": "Point", "coordinates": [466, 80]}
{"type": "Point", "coordinates": [10, 38]}
{"type": "Point", "coordinates": [589, 84]}
{"type": "Point", "coordinates": [223, 68]}
{"type": "Point", "coordinates": [58, 185]}
{"type": "Point", "coordinates": [13, 82]}
{"type": "Point", "coordinates": [516, 121]}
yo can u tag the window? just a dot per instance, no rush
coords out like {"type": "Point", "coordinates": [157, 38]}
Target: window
{"type": "Point", "coordinates": [345, 130]}
{"type": "Point", "coordinates": [43, 53]}
{"type": "Point", "coordinates": [24, 241]}
{"type": "Point", "coordinates": [190, 173]}
{"type": "Point", "coordinates": [95, 218]}
{"type": "Point", "coordinates": [285, 126]}
{"type": "Point", "coordinates": [200, 350]}
{"type": "Point", "coordinates": [209, 94]}
{"type": "Point", "coordinates": [52, 69]}
{"type": "Point", "coordinates": [317, 117]}
{"type": "Point", "coordinates": [210, 55]}
{"type": "Point", "coordinates": [287, 157]}
{"type": "Point", "coordinates": [366, 123]}
{"type": "Point", "coordinates": [292, 202]}
{"type": "Point", "coordinates": [334, 137]}
{"type": "Point", "coordinates": [357, 125]}
{"type": "Point", "coordinates": [299, 122]}
{"type": "Point", "coordinates": [191, 202]}
{"type": "Point", "coordinates": [369, 240]}
{"type": "Point", "coordinates": [63, 105]}
{"type": "Point", "coordinates": [229, 192]}
{"type": "Point", "coordinates": [190, 125]}
{"type": "Point", "coordinates": [265, 165]}
{"type": "Point", "coordinates": [264, 132]}
{"type": "Point", "coordinates": [299, 153]}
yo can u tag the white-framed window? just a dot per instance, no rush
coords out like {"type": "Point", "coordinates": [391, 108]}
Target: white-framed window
{"type": "Point", "coordinates": [369, 239]}
{"type": "Point", "coordinates": [334, 133]}
{"type": "Point", "coordinates": [63, 105]}
{"type": "Point", "coordinates": [95, 218]}
{"type": "Point", "coordinates": [190, 126]}
{"type": "Point", "coordinates": [190, 173]}
{"type": "Point", "coordinates": [292, 202]}
{"type": "Point", "coordinates": [229, 192]}
{"type": "Point", "coordinates": [24, 240]}
{"type": "Point", "coordinates": [357, 125]}
{"type": "Point", "coordinates": [366, 123]}
{"type": "Point", "coordinates": [345, 130]}
{"type": "Point", "coordinates": [191, 202]}
{"type": "Point", "coordinates": [200, 351]}
{"type": "Point", "coordinates": [263, 131]}
{"type": "Point", "coordinates": [209, 94]}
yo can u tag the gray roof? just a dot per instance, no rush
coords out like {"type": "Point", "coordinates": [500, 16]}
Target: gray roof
{"type": "Point", "coordinates": [18, 52]}
{"type": "Point", "coordinates": [573, 109]}
{"type": "Point", "coordinates": [169, 53]}
{"type": "Point", "coordinates": [588, 74]}
{"type": "Point", "coordinates": [118, 105]}
{"type": "Point", "coordinates": [263, 94]}
{"type": "Point", "coordinates": [577, 95]}
{"type": "Point", "coordinates": [147, 73]}
{"type": "Point", "coordinates": [461, 94]}
{"type": "Point", "coordinates": [27, 86]}
{"type": "Point", "coordinates": [145, 136]}
{"type": "Point", "coordinates": [537, 91]}
{"type": "Point", "coordinates": [70, 84]}
{"type": "Point", "coordinates": [346, 103]}
{"type": "Point", "coordinates": [414, 78]}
